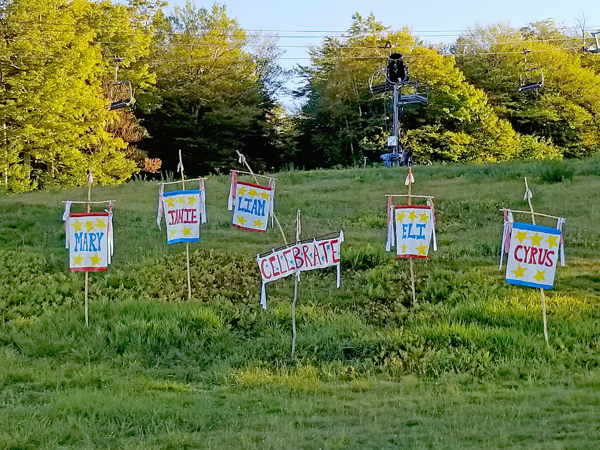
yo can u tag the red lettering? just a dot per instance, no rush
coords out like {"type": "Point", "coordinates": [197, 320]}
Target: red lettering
{"type": "Point", "coordinates": [526, 250]}
{"type": "Point", "coordinates": [316, 256]}
{"type": "Point", "coordinates": [282, 266]}
{"type": "Point", "coordinates": [324, 250]}
{"type": "Point", "coordinates": [305, 249]}
{"type": "Point", "coordinates": [179, 217]}
{"type": "Point", "coordinates": [517, 248]}
{"type": "Point", "coordinates": [172, 217]}
{"type": "Point", "coordinates": [541, 255]}
{"type": "Point", "coordinates": [549, 256]}
{"type": "Point", "coordinates": [263, 269]}
{"type": "Point", "coordinates": [336, 259]}
{"type": "Point", "coordinates": [194, 218]}
{"type": "Point", "coordinates": [272, 260]}
{"type": "Point", "coordinates": [287, 261]}
{"type": "Point", "coordinates": [297, 258]}
{"type": "Point", "coordinates": [532, 255]}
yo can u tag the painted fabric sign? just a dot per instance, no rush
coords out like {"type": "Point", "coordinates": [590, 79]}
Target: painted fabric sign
{"type": "Point", "coordinates": [533, 255]}
{"type": "Point", "coordinates": [252, 206]}
{"type": "Point", "coordinates": [184, 211]}
{"type": "Point", "coordinates": [414, 230]}
{"type": "Point", "coordinates": [299, 257]}
{"type": "Point", "coordinates": [88, 241]}
{"type": "Point", "coordinates": [182, 215]}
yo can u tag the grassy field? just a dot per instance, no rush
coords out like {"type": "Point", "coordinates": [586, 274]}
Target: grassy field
{"type": "Point", "coordinates": [465, 368]}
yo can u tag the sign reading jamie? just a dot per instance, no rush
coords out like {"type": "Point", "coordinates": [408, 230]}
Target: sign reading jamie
{"type": "Point", "coordinates": [299, 257]}
{"type": "Point", "coordinates": [532, 255]}
{"type": "Point", "coordinates": [88, 241]}
{"type": "Point", "coordinates": [182, 210]}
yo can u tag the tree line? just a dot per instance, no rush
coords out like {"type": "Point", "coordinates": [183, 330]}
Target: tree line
{"type": "Point", "coordinates": [203, 85]}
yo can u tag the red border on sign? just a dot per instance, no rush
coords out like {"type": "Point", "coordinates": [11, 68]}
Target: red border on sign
{"type": "Point", "coordinates": [253, 185]}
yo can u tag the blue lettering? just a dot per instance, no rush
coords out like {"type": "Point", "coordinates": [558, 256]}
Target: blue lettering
{"type": "Point", "coordinates": [93, 242]}
{"type": "Point", "coordinates": [261, 207]}
{"type": "Point", "coordinates": [86, 245]}
{"type": "Point", "coordinates": [404, 230]}
{"type": "Point", "coordinates": [421, 226]}
{"type": "Point", "coordinates": [99, 236]}
{"type": "Point", "coordinates": [78, 242]}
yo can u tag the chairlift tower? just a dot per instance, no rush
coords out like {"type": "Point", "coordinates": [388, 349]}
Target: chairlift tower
{"type": "Point", "coordinates": [405, 92]}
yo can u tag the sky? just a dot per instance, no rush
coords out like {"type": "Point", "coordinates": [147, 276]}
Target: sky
{"type": "Point", "coordinates": [302, 23]}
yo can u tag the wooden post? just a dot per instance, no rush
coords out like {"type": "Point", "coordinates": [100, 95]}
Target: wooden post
{"type": "Point", "coordinates": [296, 282]}
{"type": "Point", "coordinates": [410, 260]}
{"type": "Point", "coordinates": [187, 244]}
{"type": "Point", "coordinates": [88, 209]}
{"type": "Point", "coordinates": [527, 194]}
{"type": "Point", "coordinates": [243, 158]}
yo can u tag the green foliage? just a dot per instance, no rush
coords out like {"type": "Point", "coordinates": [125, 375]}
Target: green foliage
{"type": "Point", "coordinates": [213, 96]}
{"type": "Point", "coordinates": [564, 112]}
{"type": "Point", "coordinates": [52, 102]}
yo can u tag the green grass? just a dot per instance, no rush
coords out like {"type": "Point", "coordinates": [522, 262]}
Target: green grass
{"type": "Point", "coordinates": [466, 368]}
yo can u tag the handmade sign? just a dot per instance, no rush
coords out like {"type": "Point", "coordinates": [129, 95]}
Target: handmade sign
{"type": "Point", "coordinates": [414, 230]}
{"type": "Point", "coordinates": [252, 204]}
{"type": "Point", "coordinates": [184, 211]}
{"type": "Point", "coordinates": [299, 257]}
{"type": "Point", "coordinates": [89, 238]}
{"type": "Point", "coordinates": [532, 255]}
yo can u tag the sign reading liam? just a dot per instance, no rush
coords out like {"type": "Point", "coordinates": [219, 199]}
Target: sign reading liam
{"type": "Point", "coordinates": [252, 206]}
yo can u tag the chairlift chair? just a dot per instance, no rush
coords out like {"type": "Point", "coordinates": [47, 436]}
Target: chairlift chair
{"type": "Point", "coordinates": [596, 47]}
{"type": "Point", "coordinates": [530, 78]}
{"type": "Point", "coordinates": [121, 95]}
{"type": "Point", "coordinates": [121, 92]}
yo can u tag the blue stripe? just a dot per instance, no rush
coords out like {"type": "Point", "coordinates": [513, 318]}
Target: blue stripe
{"type": "Point", "coordinates": [541, 229]}
{"type": "Point", "coordinates": [529, 284]}
{"type": "Point", "coordinates": [188, 192]}
{"type": "Point", "coordinates": [177, 241]}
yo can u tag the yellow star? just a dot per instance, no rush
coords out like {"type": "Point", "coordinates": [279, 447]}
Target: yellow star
{"type": "Point", "coordinates": [192, 200]}
{"type": "Point", "coordinates": [171, 202]}
{"type": "Point", "coordinates": [187, 231]}
{"type": "Point", "coordinates": [400, 216]}
{"type": "Point", "coordinates": [252, 192]}
{"type": "Point", "coordinates": [519, 271]}
{"type": "Point", "coordinates": [100, 223]}
{"type": "Point", "coordinates": [77, 225]}
{"type": "Point", "coordinates": [241, 220]}
{"type": "Point", "coordinates": [424, 217]}
{"type": "Point", "coordinates": [403, 247]}
{"type": "Point", "coordinates": [172, 233]}
{"type": "Point", "coordinates": [242, 190]}
{"type": "Point", "coordinates": [412, 216]}
{"type": "Point", "coordinates": [536, 239]}
{"type": "Point", "coordinates": [77, 259]}
{"type": "Point", "coordinates": [265, 195]}
{"type": "Point", "coordinates": [539, 276]}
{"type": "Point", "coordinates": [257, 223]}
{"type": "Point", "coordinates": [521, 236]}
{"type": "Point", "coordinates": [181, 200]}
{"type": "Point", "coordinates": [89, 225]}
{"type": "Point", "coordinates": [552, 241]}
{"type": "Point", "coordinates": [421, 249]}
{"type": "Point", "coordinates": [95, 259]}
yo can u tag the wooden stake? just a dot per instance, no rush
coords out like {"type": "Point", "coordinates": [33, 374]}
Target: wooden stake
{"type": "Point", "coordinates": [541, 289]}
{"type": "Point", "coordinates": [88, 208]}
{"type": "Point", "coordinates": [187, 244]}
{"type": "Point", "coordinates": [296, 282]}
{"type": "Point", "coordinates": [243, 158]}
{"type": "Point", "coordinates": [410, 260]}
